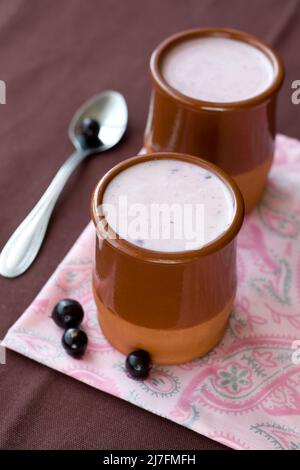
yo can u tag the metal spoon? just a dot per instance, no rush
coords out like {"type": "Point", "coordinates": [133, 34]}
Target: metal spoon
{"type": "Point", "coordinates": [109, 110]}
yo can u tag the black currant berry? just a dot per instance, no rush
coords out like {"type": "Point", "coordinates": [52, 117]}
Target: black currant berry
{"type": "Point", "coordinates": [75, 342]}
{"type": "Point", "coordinates": [68, 313]}
{"type": "Point", "coordinates": [138, 364]}
{"type": "Point", "coordinates": [89, 131]}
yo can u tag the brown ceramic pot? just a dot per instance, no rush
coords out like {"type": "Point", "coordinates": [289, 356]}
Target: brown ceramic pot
{"type": "Point", "coordinates": [174, 305]}
{"type": "Point", "coordinates": [237, 136]}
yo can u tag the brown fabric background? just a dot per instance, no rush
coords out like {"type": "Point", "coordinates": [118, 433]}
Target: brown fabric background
{"type": "Point", "coordinates": [53, 56]}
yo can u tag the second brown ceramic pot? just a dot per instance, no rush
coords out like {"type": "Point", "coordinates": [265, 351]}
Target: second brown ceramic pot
{"type": "Point", "coordinates": [173, 305]}
{"type": "Point", "coordinates": [237, 136]}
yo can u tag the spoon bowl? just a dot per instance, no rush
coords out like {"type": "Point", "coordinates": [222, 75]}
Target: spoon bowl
{"type": "Point", "coordinates": [109, 109]}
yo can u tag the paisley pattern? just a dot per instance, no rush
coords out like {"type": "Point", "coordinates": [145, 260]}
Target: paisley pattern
{"type": "Point", "coordinates": [249, 382]}
{"type": "Point", "coordinates": [161, 383]}
{"type": "Point", "coordinates": [95, 378]}
{"type": "Point", "coordinates": [280, 437]}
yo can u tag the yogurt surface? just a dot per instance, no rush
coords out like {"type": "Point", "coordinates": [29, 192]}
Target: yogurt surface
{"type": "Point", "coordinates": [168, 205]}
{"type": "Point", "coordinates": [217, 69]}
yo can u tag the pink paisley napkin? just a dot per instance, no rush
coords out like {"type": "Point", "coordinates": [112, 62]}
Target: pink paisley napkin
{"type": "Point", "coordinates": [246, 392]}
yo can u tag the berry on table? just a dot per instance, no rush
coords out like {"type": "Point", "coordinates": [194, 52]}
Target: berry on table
{"type": "Point", "coordinates": [68, 313]}
{"type": "Point", "coordinates": [75, 342]}
{"type": "Point", "coordinates": [138, 364]}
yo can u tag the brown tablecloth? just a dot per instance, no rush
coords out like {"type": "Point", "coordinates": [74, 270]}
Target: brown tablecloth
{"type": "Point", "coordinates": [54, 55]}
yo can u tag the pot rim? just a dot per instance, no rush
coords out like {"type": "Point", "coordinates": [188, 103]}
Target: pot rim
{"type": "Point", "coordinates": [163, 86]}
{"type": "Point", "coordinates": [145, 254]}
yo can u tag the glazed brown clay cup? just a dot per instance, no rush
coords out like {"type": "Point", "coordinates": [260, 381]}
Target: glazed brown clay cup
{"type": "Point", "coordinates": [173, 305]}
{"type": "Point", "coordinates": [237, 136]}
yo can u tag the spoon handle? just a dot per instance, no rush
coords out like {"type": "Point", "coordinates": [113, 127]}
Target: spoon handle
{"type": "Point", "coordinates": [24, 244]}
